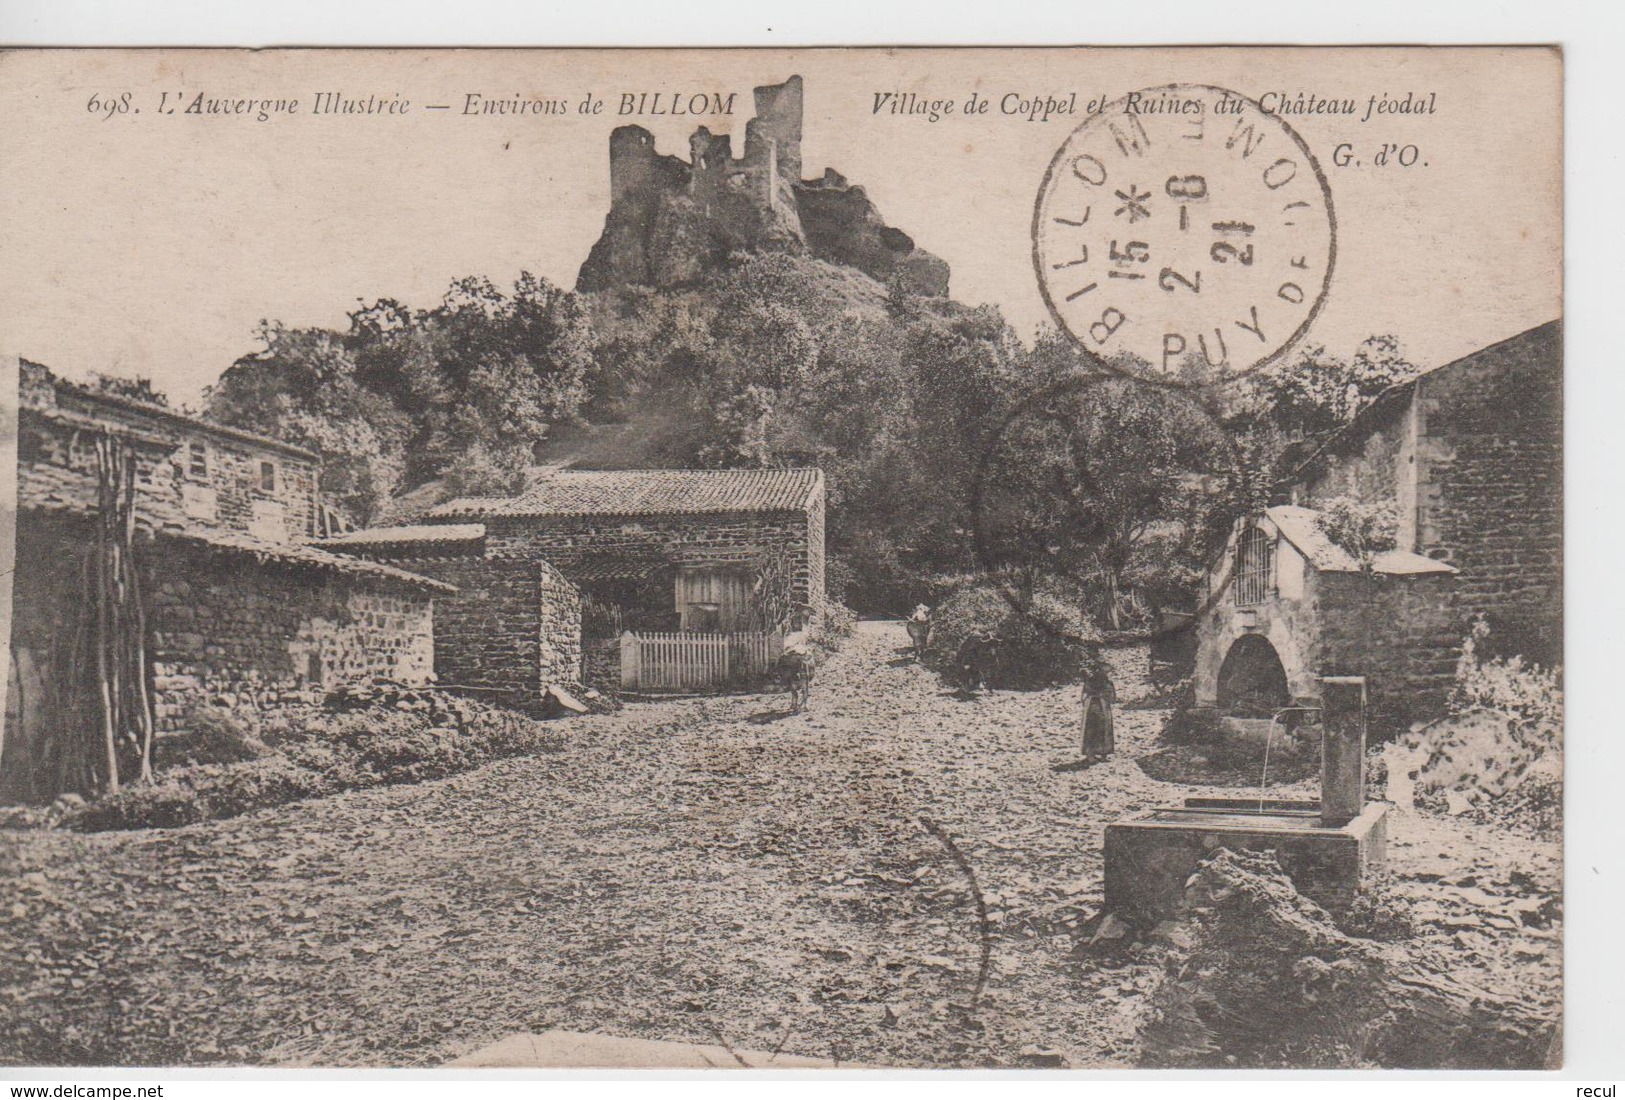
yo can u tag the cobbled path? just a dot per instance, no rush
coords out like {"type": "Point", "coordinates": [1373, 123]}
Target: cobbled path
{"type": "Point", "coordinates": [896, 876]}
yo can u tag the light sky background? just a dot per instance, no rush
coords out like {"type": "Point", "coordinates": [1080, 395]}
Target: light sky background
{"type": "Point", "coordinates": [153, 245]}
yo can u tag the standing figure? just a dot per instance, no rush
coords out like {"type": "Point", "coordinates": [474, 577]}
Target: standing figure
{"type": "Point", "coordinates": [1099, 703]}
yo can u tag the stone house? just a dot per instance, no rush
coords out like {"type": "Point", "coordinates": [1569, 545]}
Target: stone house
{"type": "Point", "coordinates": [551, 579]}
{"type": "Point", "coordinates": [234, 608]}
{"type": "Point", "coordinates": [513, 627]}
{"type": "Point", "coordinates": [647, 551]}
{"type": "Point", "coordinates": [670, 550]}
{"type": "Point", "coordinates": [1469, 458]}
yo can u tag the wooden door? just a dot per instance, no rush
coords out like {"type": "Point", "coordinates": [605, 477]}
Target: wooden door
{"type": "Point", "coordinates": [712, 600]}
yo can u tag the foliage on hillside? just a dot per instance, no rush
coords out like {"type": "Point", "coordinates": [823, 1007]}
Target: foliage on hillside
{"type": "Point", "coordinates": [949, 446]}
{"type": "Point", "coordinates": [777, 360]}
{"type": "Point", "coordinates": [461, 391]}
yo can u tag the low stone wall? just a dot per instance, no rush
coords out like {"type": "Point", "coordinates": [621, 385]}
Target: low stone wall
{"type": "Point", "coordinates": [512, 629]}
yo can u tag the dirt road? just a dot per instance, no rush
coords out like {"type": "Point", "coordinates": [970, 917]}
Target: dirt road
{"type": "Point", "coordinates": [893, 877]}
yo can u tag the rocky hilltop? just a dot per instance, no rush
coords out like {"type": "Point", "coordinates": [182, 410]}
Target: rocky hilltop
{"type": "Point", "coordinates": [670, 221]}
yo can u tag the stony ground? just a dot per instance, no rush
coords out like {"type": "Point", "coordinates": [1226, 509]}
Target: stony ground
{"type": "Point", "coordinates": [897, 876]}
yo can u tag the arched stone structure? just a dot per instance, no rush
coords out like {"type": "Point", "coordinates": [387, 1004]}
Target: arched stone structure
{"type": "Point", "coordinates": [1252, 679]}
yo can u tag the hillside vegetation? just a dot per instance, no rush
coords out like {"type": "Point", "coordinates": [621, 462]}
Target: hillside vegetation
{"type": "Point", "coordinates": [775, 359]}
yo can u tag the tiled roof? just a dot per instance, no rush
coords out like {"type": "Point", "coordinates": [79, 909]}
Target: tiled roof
{"type": "Point", "coordinates": [1301, 527]}
{"type": "Point", "coordinates": [297, 554]}
{"type": "Point", "coordinates": [613, 569]}
{"type": "Point", "coordinates": [648, 493]}
{"type": "Point", "coordinates": [405, 536]}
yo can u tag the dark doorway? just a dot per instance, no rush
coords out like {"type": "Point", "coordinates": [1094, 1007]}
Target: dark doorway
{"type": "Point", "coordinates": [1252, 680]}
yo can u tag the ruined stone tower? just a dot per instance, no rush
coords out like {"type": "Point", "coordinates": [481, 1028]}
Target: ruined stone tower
{"type": "Point", "coordinates": [670, 221]}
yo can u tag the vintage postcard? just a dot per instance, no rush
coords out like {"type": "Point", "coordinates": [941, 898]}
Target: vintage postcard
{"type": "Point", "coordinates": [902, 558]}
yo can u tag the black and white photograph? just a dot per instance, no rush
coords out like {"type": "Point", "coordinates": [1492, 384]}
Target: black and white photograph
{"type": "Point", "coordinates": [809, 559]}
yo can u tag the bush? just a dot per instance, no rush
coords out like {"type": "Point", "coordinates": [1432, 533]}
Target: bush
{"type": "Point", "coordinates": [838, 624]}
{"type": "Point", "coordinates": [162, 805]}
{"type": "Point", "coordinates": [1047, 644]}
{"type": "Point", "coordinates": [231, 790]}
{"type": "Point", "coordinates": [309, 753]}
{"type": "Point", "coordinates": [1497, 755]}
{"type": "Point", "coordinates": [1363, 528]}
{"type": "Point", "coordinates": [1510, 685]}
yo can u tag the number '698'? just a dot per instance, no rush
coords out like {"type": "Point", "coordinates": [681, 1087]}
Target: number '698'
{"type": "Point", "coordinates": [110, 105]}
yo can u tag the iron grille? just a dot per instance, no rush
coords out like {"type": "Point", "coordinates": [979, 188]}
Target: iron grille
{"type": "Point", "coordinates": [1255, 567]}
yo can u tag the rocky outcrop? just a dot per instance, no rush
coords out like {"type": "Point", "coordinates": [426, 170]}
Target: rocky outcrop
{"type": "Point", "coordinates": [670, 221]}
{"type": "Point", "coordinates": [843, 227]}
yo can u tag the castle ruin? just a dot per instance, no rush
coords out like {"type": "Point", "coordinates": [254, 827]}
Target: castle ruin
{"type": "Point", "coordinates": [670, 221]}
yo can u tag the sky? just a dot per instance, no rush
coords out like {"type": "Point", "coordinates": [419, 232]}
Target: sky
{"type": "Point", "coordinates": [139, 242]}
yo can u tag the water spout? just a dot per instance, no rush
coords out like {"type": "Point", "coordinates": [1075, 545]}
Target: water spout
{"type": "Point", "coordinates": [1269, 739]}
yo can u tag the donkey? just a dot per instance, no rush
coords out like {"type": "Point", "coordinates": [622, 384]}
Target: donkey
{"type": "Point", "coordinates": [795, 675]}
{"type": "Point", "coordinates": [919, 629]}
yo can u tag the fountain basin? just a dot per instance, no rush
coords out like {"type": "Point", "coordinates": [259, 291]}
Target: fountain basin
{"type": "Point", "coordinates": [1150, 857]}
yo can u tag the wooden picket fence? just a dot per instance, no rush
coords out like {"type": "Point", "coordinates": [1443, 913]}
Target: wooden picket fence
{"type": "Point", "coordinates": [696, 662]}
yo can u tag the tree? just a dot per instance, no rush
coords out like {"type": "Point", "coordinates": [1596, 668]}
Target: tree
{"type": "Point", "coordinates": [136, 389]}
{"type": "Point", "coordinates": [489, 373]}
{"type": "Point", "coordinates": [302, 388]}
{"type": "Point", "coordinates": [1317, 392]}
{"type": "Point", "coordinates": [463, 391]}
{"type": "Point", "coordinates": [1106, 482]}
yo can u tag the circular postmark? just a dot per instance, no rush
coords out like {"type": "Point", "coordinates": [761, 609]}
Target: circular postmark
{"type": "Point", "coordinates": [1184, 235]}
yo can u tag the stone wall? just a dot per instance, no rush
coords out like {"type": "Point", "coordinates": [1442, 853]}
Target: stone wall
{"type": "Point", "coordinates": [223, 626]}
{"type": "Point", "coordinates": [1472, 455]}
{"type": "Point", "coordinates": [512, 628]}
{"type": "Point", "coordinates": [56, 471]}
{"type": "Point", "coordinates": [229, 629]}
{"type": "Point", "coordinates": [231, 495]}
{"type": "Point", "coordinates": [1402, 633]}
{"type": "Point", "coordinates": [1377, 469]}
{"type": "Point", "coordinates": [1491, 496]}
{"type": "Point", "coordinates": [560, 628]}
{"type": "Point", "coordinates": [816, 557]}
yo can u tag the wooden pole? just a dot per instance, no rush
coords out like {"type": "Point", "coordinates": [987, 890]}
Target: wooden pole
{"type": "Point", "coordinates": [138, 626]}
{"type": "Point", "coordinates": [99, 595]}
